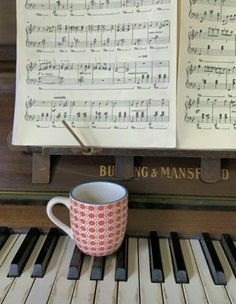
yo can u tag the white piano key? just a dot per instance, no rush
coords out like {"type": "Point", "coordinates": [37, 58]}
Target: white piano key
{"type": "Point", "coordinates": [106, 292]}
{"type": "Point", "coordinates": [128, 292]}
{"type": "Point", "coordinates": [216, 294]}
{"type": "Point", "coordinates": [172, 292]}
{"type": "Point", "coordinates": [62, 290]}
{"type": "Point", "coordinates": [5, 282]}
{"type": "Point", "coordinates": [149, 292]}
{"type": "Point", "coordinates": [230, 278]}
{"type": "Point", "coordinates": [195, 285]}
{"type": "Point", "coordinates": [41, 289]}
{"type": "Point", "coordinates": [7, 247]}
{"type": "Point", "coordinates": [21, 286]}
{"type": "Point", "coordinates": [85, 288]}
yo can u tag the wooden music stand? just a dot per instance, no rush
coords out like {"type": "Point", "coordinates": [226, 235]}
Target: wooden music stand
{"type": "Point", "coordinates": [124, 164]}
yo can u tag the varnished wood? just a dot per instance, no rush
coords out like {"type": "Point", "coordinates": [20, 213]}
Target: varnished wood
{"type": "Point", "coordinates": [124, 167]}
{"type": "Point", "coordinates": [8, 22]}
{"type": "Point", "coordinates": [40, 168]}
{"type": "Point", "coordinates": [210, 169]}
{"type": "Point", "coordinates": [140, 222]}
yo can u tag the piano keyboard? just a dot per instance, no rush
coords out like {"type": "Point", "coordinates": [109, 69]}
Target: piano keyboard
{"type": "Point", "coordinates": [36, 268]}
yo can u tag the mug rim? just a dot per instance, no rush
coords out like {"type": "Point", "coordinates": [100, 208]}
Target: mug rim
{"type": "Point", "coordinates": [94, 203]}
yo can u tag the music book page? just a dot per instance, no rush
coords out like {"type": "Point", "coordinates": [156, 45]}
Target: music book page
{"type": "Point", "coordinates": [206, 104]}
{"type": "Point", "coordinates": [106, 67]}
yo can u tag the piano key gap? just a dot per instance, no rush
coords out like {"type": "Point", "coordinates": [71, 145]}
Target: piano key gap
{"type": "Point", "coordinates": [138, 272]}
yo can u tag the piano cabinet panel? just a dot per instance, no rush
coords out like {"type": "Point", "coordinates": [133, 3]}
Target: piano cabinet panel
{"type": "Point", "coordinates": [7, 29]}
{"type": "Point", "coordinates": [188, 223]}
{"type": "Point", "coordinates": [7, 22]}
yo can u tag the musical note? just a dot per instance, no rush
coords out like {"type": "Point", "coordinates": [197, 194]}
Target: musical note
{"type": "Point", "coordinates": [154, 34]}
{"type": "Point", "coordinates": [52, 74]}
{"type": "Point", "coordinates": [102, 111]}
{"type": "Point", "coordinates": [107, 67]}
{"type": "Point", "coordinates": [211, 77]}
{"type": "Point", "coordinates": [213, 42]}
{"type": "Point", "coordinates": [215, 112]}
{"type": "Point", "coordinates": [208, 71]}
{"type": "Point", "coordinates": [73, 6]}
{"type": "Point", "coordinates": [218, 11]}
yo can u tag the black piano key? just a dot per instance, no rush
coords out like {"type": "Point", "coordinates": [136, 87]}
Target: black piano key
{"type": "Point", "coordinates": [23, 253]}
{"type": "Point", "coordinates": [45, 254]}
{"type": "Point", "coordinates": [230, 251]}
{"type": "Point", "coordinates": [75, 264]}
{"type": "Point", "coordinates": [180, 271]}
{"type": "Point", "coordinates": [157, 275]}
{"type": "Point", "coordinates": [4, 234]}
{"type": "Point", "coordinates": [97, 271]}
{"type": "Point", "coordinates": [121, 272]}
{"type": "Point", "coordinates": [212, 259]}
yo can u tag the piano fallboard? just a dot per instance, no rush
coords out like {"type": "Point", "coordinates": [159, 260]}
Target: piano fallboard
{"type": "Point", "coordinates": [189, 223]}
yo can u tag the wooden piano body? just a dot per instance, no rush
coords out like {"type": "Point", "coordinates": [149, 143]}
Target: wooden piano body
{"type": "Point", "coordinates": [185, 191]}
{"type": "Point", "coordinates": [189, 192]}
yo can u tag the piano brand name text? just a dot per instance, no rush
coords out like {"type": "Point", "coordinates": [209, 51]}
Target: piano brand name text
{"type": "Point", "coordinates": [162, 172]}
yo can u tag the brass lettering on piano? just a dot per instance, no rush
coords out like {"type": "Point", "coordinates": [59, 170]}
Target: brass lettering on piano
{"type": "Point", "coordinates": [162, 172]}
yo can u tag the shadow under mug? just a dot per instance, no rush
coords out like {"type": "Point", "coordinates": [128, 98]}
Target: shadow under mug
{"type": "Point", "coordinates": [98, 216]}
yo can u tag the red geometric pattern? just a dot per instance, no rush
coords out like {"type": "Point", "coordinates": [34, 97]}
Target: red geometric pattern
{"type": "Point", "coordinates": [99, 229]}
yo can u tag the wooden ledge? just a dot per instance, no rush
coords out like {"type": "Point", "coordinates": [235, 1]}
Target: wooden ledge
{"type": "Point", "coordinates": [140, 222]}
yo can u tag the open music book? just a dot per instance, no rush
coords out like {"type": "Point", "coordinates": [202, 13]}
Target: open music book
{"type": "Point", "coordinates": [109, 69]}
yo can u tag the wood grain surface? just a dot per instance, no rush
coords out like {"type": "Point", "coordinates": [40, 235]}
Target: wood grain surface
{"type": "Point", "coordinates": [140, 222]}
{"type": "Point", "coordinates": [7, 22]}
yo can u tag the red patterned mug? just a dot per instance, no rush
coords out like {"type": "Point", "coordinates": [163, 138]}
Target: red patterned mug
{"type": "Point", "coordinates": [98, 216]}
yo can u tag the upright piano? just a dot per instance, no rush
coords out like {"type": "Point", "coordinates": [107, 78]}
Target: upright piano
{"type": "Point", "coordinates": [180, 241]}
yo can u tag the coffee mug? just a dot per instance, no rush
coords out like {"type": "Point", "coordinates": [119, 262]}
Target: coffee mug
{"type": "Point", "coordinates": [98, 216]}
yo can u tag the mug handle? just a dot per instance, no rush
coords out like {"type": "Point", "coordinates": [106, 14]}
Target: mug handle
{"type": "Point", "coordinates": [64, 201]}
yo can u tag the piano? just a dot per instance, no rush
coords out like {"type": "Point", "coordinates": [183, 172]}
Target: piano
{"type": "Point", "coordinates": [181, 233]}
{"type": "Point", "coordinates": [49, 268]}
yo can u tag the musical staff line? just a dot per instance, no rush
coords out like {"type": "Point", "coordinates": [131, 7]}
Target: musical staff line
{"type": "Point", "coordinates": [216, 61]}
{"type": "Point", "coordinates": [213, 112]}
{"type": "Point", "coordinates": [214, 3]}
{"type": "Point", "coordinates": [212, 77]}
{"type": "Point", "coordinates": [151, 33]}
{"type": "Point", "coordinates": [213, 42]}
{"type": "Point", "coordinates": [219, 11]}
{"type": "Point", "coordinates": [72, 6]}
{"type": "Point", "coordinates": [147, 111]}
{"type": "Point", "coordinates": [67, 75]}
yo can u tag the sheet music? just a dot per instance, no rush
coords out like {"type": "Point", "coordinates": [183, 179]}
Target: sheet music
{"type": "Point", "coordinates": [106, 67]}
{"type": "Point", "coordinates": [207, 75]}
